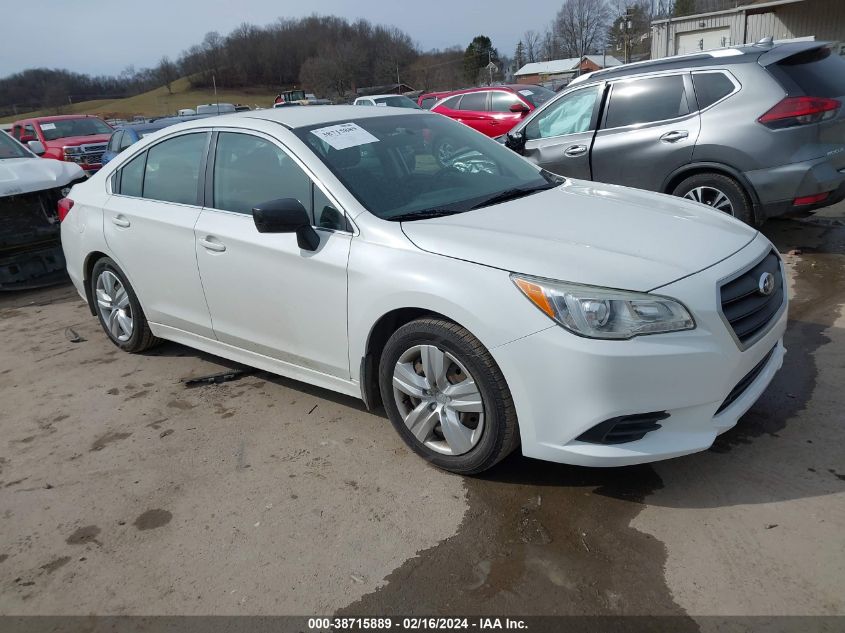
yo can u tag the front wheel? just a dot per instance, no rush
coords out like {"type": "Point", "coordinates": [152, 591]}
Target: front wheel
{"type": "Point", "coordinates": [718, 191]}
{"type": "Point", "coordinates": [446, 396]}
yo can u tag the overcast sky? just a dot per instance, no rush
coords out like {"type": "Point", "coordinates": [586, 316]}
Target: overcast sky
{"type": "Point", "coordinates": [106, 36]}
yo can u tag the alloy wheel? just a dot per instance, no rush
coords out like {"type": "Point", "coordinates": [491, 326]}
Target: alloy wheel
{"type": "Point", "coordinates": [113, 304]}
{"type": "Point", "coordinates": [438, 400]}
{"type": "Point", "coordinates": [712, 197]}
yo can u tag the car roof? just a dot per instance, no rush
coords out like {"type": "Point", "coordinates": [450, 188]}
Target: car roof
{"type": "Point", "coordinates": [59, 117]}
{"type": "Point", "coordinates": [744, 54]}
{"type": "Point", "coordinates": [379, 96]}
{"type": "Point", "coordinates": [293, 118]}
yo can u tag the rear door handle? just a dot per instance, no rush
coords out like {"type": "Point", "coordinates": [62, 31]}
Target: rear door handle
{"type": "Point", "coordinates": [121, 221]}
{"type": "Point", "coordinates": [575, 150]}
{"type": "Point", "coordinates": [674, 136]}
{"type": "Point", "coordinates": [211, 243]}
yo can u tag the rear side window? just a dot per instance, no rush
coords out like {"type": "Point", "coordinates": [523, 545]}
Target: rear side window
{"type": "Point", "coordinates": [173, 169]}
{"type": "Point", "coordinates": [475, 101]}
{"type": "Point", "coordinates": [132, 177]}
{"type": "Point", "coordinates": [451, 102]}
{"type": "Point", "coordinates": [710, 88]}
{"type": "Point", "coordinates": [816, 73]}
{"type": "Point", "coordinates": [647, 101]}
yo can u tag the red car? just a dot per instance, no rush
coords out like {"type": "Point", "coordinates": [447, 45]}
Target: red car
{"type": "Point", "coordinates": [493, 110]}
{"type": "Point", "coordinates": [76, 138]}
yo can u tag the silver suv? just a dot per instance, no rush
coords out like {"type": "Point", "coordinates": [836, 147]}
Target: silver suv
{"type": "Point", "coordinates": [756, 131]}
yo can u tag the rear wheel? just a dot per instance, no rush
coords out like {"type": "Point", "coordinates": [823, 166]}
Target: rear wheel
{"type": "Point", "coordinates": [446, 396]}
{"type": "Point", "coordinates": [718, 191]}
{"type": "Point", "coordinates": [118, 309]}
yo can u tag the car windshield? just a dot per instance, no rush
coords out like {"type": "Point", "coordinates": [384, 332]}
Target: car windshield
{"type": "Point", "coordinates": [536, 94]}
{"type": "Point", "coordinates": [10, 148]}
{"type": "Point", "coordinates": [63, 128]}
{"type": "Point", "coordinates": [416, 166]}
{"type": "Point", "coordinates": [397, 102]}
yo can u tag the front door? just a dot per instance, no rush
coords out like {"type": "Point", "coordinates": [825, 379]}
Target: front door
{"type": "Point", "coordinates": [265, 294]}
{"type": "Point", "coordinates": [149, 226]}
{"type": "Point", "coordinates": [649, 130]}
{"type": "Point", "coordinates": [560, 136]}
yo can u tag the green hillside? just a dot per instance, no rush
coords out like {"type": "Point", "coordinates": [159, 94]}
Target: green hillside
{"type": "Point", "coordinates": [157, 102]}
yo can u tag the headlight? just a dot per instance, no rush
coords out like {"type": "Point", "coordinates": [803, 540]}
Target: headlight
{"type": "Point", "coordinates": [597, 312]}
{"type": "Point", "coordinates": [72, 150]}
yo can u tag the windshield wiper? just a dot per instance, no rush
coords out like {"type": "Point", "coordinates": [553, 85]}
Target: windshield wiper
{"type": "Point", "coordinates": [511, 194]}
{"type": "Point", "coordinates": [422, 215]}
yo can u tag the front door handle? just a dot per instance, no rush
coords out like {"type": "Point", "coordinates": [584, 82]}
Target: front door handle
{"type": "Point", "coordinates": [213, 244]}
{"type": "Point", "coordinates": [121, 221]}
{"type": "Point", "coordinates": [575, 150]}
{"type": "Point", "coordinates": [674, 136]}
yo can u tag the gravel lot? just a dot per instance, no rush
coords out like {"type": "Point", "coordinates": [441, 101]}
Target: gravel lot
{"type": "Point", "coordinates": [124, 492]}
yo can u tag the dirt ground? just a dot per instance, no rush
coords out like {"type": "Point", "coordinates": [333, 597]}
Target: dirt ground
{"type": "Point", "coordinates": [124, 492]}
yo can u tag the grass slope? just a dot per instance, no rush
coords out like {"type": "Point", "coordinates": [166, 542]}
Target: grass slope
{"type": "Point", "coordinates": [156, 102]}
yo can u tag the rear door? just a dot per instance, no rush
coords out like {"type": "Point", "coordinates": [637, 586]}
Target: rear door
{"type": "Point", "coordinates": [649, 128]}
{"type": "Point", "coordinates": [559, 136]}
{"type": "Point", "coordinates": [474, 111]}
{"type": "Point", "coordinates": [149, 227]}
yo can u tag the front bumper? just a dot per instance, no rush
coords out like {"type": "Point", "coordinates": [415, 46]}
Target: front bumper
{"type": "Point", "coordinates": [563, 384]}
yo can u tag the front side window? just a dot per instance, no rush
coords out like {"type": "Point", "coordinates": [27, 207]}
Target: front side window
{"type": "Point", "coordinates": [114, 141]}
{"type": "Point", "coordinates": [474, 101]}
{"type": "Point", "coordinates": [502, 101]}
{"type": "Point", "coordinates": [428, 102]}
{"type": "Point", "coordinates": [572, 114]}
{"type": "Point", "coordinates": [126, 140]}
{"type": "Point", "coordinates": [173, 169]}
{"type": "Point", "coordinates": [413, 166]}
{"type": "Point", "coordinates": [249, 170]}
{"type": "Point", "coordinates": [29, 132]}
{"type": "Point", "coordinates": [451, 102]}
{"type": "Point", "coordinates": [9, 148]}
{"type": "Point", "coordinates": [646, 101]}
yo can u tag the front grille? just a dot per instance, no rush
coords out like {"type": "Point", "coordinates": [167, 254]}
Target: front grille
{"type": "Point", "coordinates": [627, 428]}
{"type": "Point", "coordinates": [92, 158]}
{"type": "Point", "coordinates": [99, 147]}
{"type": "Point", "coordinates": [746, 381]}
{"type": "Point", "coordinates": [748, 311]}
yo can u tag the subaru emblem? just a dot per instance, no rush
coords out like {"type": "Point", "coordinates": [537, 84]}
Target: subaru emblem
{"type": "Point", "coordinates": [766, 285]}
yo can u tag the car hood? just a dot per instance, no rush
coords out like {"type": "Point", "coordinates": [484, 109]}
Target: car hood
{"type": "Point", "coordinates": [24, 175]}
{"type": "Point", "coordinates": [589, 233]}
{"type": "Point", "coordinates": [72, 141]}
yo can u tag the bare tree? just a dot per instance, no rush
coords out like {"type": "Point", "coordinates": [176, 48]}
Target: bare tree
{"type": "Point", "coordinates": [532, 45]}
{"type": "Point", "coordinates": [166, 73]}
{"type": "Point", "coordinates": [581, 26]}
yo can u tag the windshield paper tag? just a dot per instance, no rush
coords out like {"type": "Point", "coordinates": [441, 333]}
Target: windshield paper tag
{"type": "Point", "coordinates": [526, 92]}
{"type": "Point", "coordinates": [344, 136]}
{"type": "Point", "coordinates": [48, 126]}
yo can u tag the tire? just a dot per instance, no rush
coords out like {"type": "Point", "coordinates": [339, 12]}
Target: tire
{"type": "Point", "coordinates": [466, 423]}
{"type": "Point", "coordinates": [705, 188]}
{"type": "Point", "coordinates": [118, 309]}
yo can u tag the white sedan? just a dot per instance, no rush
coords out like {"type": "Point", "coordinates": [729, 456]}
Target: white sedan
{"type": "Point", "coordinates": [486, 303]}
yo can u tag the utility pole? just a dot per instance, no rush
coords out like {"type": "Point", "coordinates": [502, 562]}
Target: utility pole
{"type": "Point", "coordinates": [626, 26]}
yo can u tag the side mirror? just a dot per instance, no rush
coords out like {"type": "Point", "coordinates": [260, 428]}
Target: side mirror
{"type": "Point", "coordinates": [36, 147]}
{"type": "Point", "coordinates": [515, 141]}
{"type": "Point", "coordinates": [286, 215]}
{"type": "Point", "coordinates": [519, 107]}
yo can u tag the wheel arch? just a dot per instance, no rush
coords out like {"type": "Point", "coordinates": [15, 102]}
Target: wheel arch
{"type": "Point", "coordinates": [693, 169]}
{"type": "Point", "coordinates": [377, 338]}
{"type": "Point", "coordinates": [87, 269]}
